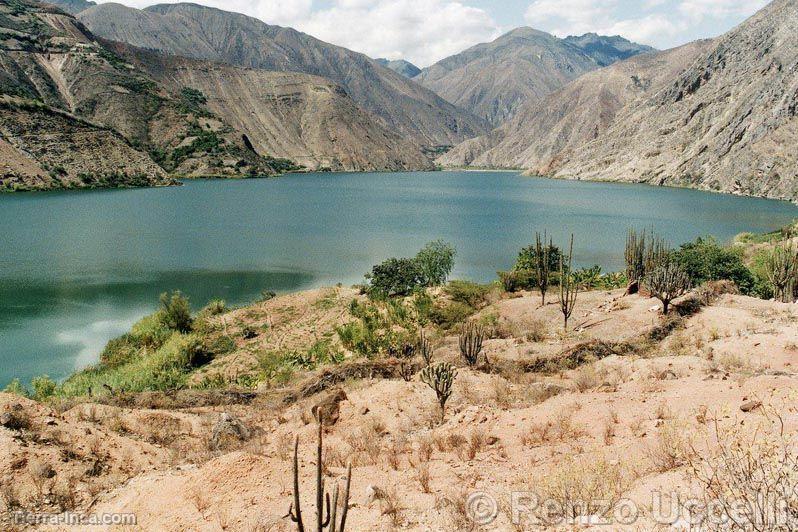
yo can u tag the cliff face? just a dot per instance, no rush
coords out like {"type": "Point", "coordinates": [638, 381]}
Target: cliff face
{"type": "Point", "coordinates": [717, 115]}
{"type": "Point", "coordinates": [497, 79]}
{"type": "Point", "coordinates": [307, 119]}
{"type": "Point", "coordinates": [545, 132]}
{"type": "Point", "coordinates": [199, 32]}
{"type": "Point", "coordinates": [728, 122]}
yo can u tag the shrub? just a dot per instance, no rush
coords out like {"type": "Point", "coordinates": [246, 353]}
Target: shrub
{"type": "Point", "coordinates": [467, 292]}
{"type": "Point", "coordinates": [17, 388]}
{"type": "Point", "coordinates": [450, 315]}
{"type": "Point", "coordinates": [516, 280]}
{"type": "Point", "coordinates": [436, 261]}
{"type": "Point", "coordinates": [704, 260]}
{"type": "Point", "coordinates": [528, 258]}
{"type": "Point", "coordinates": [43, 387]}
{"type": "Point", "coordinates": [215, 307]}
{"type": "Point", "coordinates": [175, 312]}
{"type": "Point", "coordinates": [395, 277]}
{"type": "Point", "coordinates": [120, 351]}
{"type": "Point", "coordinates": [150, 332]}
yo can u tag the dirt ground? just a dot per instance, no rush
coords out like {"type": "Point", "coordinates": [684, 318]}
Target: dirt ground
{"type": "Point", "coordinates": [637, 417]}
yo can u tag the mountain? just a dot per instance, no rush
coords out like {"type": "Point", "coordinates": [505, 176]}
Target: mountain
{"type": "Point", "coordinates": [606, 50]}
{"type": "Point", "coordinates": [307, 119]}
{"type": "Point", "coordinates": [495, 79]}
{"type": "Point", "coordinates": [199, 32]}
{"type": "Point", "coordinates": [546, 131]}
{"type": "Point", "coordinates": [727, 123]}
{"type": "Point", "coordinates": [72, 6]}
{"type": "Point", "coordinates": [405, 68]}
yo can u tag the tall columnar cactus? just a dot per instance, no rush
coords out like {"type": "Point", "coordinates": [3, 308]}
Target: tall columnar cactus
{"type": "Point", "coordinates": [440, 378]}
{"type": "Point", "coordinates": [782, 271]}
{"type": "Point", "coordinates": [542, 269]}
{"type": "Point", "coordinates": [569, 288]}
{"type": "Point", "coordinates": [471, 337]}
{"type": "Point", "coordinates": [425, 347]}
{"type": "Point", "coordinates": [644, 252]}
{"type": "Point", "coordinates": [330, 522]}
{"type": "Point", "coordinates": [667, 282]}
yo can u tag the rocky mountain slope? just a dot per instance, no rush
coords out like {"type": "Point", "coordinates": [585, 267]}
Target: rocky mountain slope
{"type": "Point", "coordinates": [727, 123]}
{"type": "Point", "coordinates": [495, 79]}
{"type": "Point", "coordinates": [72, 6]}
{"type": "Point", "coordinates": [204, 33]}
{"type": "Point", "coordinates": [405, 68]}
{"type": "Point", "coordinates": [304, 118]}
{"type": "Point", "coordinates": [548, 131]}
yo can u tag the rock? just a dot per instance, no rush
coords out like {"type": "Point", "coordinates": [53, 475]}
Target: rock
{"type": "Point", "coordinates": [750, 406]}
{"type": "Point", "coordinates": [363, 410]}
{"type": "Point", "coordinates": [228, 430]}
{"type": "Point", "coordinates": [329, 408]}
{"type": "Point", "coordinates": [492, 440]}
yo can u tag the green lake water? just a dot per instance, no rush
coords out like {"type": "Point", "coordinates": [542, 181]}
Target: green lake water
{"type": "Point", "coordinates": [78, 268]}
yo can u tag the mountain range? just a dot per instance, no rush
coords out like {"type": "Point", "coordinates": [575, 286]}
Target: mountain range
{"type": "Point", "coordinates": [717, 115]}
{"type": "Point", "coordinates": [108, 95]}
{"type": "Point", "coordinates": [495, 79]}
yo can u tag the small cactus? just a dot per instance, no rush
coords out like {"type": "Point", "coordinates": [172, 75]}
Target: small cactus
{"type": "Point", "coordinates": [471, 338]}
{"type": "Point", "coordinates": [569, 288]}
{"type": "Point", "coordinates": [440, 378]}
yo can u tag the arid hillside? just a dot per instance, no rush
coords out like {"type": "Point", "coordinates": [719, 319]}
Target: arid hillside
{"type": "Point", "coordinates": [621, 406]}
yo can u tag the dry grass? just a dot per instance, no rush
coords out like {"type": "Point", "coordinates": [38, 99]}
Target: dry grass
{"type": "Point", "coordinates": [424, 449]}
{"type": "Point", "coordinates": [586, 378]}
{"type": "Point", "coordinates": [423, 476]}
{"type": "Point", "coordinates": [559, 430]}
{"type": "Point", "coordinates": [537, 331]}
{"type": "Point", "coordinates": [672, 448]}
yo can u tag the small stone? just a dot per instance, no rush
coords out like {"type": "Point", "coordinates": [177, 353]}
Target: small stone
{"type": "Point", "coordinates": [750, 406]}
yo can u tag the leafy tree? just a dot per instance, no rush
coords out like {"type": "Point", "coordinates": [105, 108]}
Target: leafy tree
{"type": "Point", "coordinates": [436, 261]}
{"type": "Point", "coordinates": [43, 387]}
{"type": "Point", "coordinates": [395, 277]}
{"type": "Point", "coordinates": [704, 260]}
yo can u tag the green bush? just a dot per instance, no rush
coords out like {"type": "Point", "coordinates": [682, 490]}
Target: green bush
{"type": "Point", "coordinates": [436, 261]}
{"type": "Point", "coordinates": [43, 387]}
{"type": "Point", "coordinates": [214, 308]}
{"type": "Point", "coordinates": [17, 388]}
{"type": "Point", "coordinates": [120, 351]}
{"type": "Point", "coordinates": [517, 280]}
{"type": "Point", "coordinates": [175, 312]}
{"type": "Point", "coordinates": [467, 292]}
{"type": "Point", "coordinates": [395, 277]}
{"type": "Point", "coordinates": [705, 260]}
{"type": "Point", "coordinates": [527, 259]}
{"type": "Point", "coordinates": [450, 315]}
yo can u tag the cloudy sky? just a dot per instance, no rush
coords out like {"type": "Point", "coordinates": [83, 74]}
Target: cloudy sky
{"type": "Point", "coordinates": [424, 31]}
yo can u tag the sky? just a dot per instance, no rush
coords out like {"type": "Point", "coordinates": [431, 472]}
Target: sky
{"type": "Point", "coordinates": [425, 31]}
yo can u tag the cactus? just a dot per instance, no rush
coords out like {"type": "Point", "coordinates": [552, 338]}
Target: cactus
{"type": "Point", "coordinates": [782, 272]}
{"type": "Point", "coordinates": [644, 252]}
{"type": "Point", "coordinates": [542, 269]}
{"type": "Point", "coordinates": [667, 282]}
{"type": "Point", "coordinates": [569, 288]}
{"type": "Point", "coordinates": [425, 347]}
{"type": "Point", "coordinates": [330, 521]}
{"type": "Point", "coordinates": [440, 378]}
{"type": "Point", "coordinates": [471, 338]}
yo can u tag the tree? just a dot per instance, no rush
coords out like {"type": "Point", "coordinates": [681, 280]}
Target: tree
{"type": "Point", "coordinates": [395, 277]}
{"type": "Point", "coordinates": [569, 288]}
{"type": "Point", "coordinates": [436, 261]}
{"type": "Point", "coordinates": [704, 260]}
{"type": "Point", "coordinates": [667, 282]}
{"type": "Point", "coordinates": [528, 258]}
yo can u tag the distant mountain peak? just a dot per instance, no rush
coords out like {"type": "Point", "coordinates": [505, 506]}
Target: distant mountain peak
{"type": "Point", "coordinates": [405, 68]}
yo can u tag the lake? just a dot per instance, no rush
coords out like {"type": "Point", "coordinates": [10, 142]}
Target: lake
{"type": "Point", "coordinates": [78, 268]}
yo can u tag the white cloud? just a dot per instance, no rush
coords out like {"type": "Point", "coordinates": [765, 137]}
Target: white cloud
{"type": "Point", "coordinates": [421, 31]}
{"type": "Point", "coordinates": [569, 17]}
{"type": "Point", "coordinates": [700, 9]}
